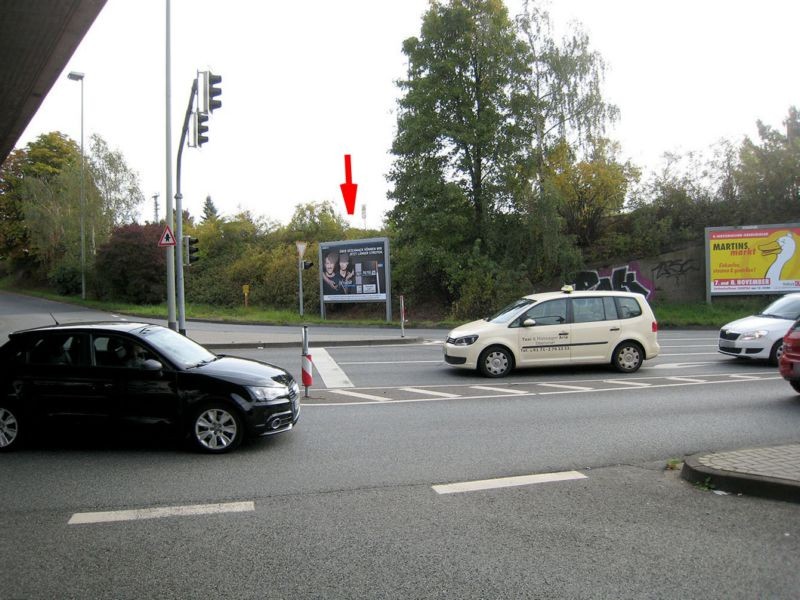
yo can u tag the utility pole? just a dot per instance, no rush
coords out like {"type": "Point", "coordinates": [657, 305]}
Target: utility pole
{"type": "Point", "coordinates": [170, 249]}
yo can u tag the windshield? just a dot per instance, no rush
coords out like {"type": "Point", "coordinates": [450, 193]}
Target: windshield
{"type": "Point", "coordinates": [179, 349]}
{"type": "Point", "coordinates": [509, 312]}
{"type": "Point", "coordinates": [787, 307]}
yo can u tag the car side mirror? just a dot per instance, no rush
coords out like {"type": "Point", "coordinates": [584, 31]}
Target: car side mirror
{"type": "Point", "coordinates": [529, 322]}
{"type": "Point", "coordinates": [152, 365]}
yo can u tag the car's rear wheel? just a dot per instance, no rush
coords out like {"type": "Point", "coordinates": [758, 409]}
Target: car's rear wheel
{"type": "Point", "coordinates": [795, 385]}
{"type": "Point", "coordinates": [495, 361]}
{"type": "Point", "coordinates": [216, 428]}
{"type": "Point", "coordinates": [627, 357]}
{"type": "Point", "coordinates": [776, 352]}
{"type": "Point", "coordinates": [10, 428]}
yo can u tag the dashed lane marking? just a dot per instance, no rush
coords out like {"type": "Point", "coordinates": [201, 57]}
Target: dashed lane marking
{"type": "Point", "coordinates": [505, 482]}
{"type": "Point", "coordinates": [159, 513]}
{"type": "Point", "coordinates": [429, 392]}
{"type": "Point", "coordinates": [359, 395]}
{"type": "Point", "coordinates": [331, 373]}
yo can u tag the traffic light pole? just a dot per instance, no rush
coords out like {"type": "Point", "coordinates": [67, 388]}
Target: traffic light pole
{"type": "Point", "coordinates": [179, 215]}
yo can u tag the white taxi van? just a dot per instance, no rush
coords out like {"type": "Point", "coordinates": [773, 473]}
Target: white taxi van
{"type": "Point", "coordinates": [557, 328]}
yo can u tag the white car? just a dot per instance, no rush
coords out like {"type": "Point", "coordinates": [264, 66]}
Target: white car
{"type": "Point", "coordinates": [557, 328]}
{"type": "Point", "coordinates": [761, 336]}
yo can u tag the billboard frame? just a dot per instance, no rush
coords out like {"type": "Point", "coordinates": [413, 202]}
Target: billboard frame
{"type": "Point", "coordinates": [740, 228]}
{"type": "Point", "coordinates": [326, 247]}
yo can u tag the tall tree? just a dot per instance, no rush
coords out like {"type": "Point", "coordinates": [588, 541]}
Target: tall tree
{"type": "Point", "coordinates": [209, 211]}
{"type": "Point", "coordinates": [116, 183]}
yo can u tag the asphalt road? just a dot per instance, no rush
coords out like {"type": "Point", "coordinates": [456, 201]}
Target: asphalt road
{"type": "Point", "coordinates": [345, 506]}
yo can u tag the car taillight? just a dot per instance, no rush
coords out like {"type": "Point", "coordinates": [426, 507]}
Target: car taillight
{"type": "Point", "coordinates": [655, 326]}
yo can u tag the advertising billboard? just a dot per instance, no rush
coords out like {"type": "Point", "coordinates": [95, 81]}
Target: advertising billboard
{"type": "Point", "coordinates": [355, 271]}
{"type": "Point", "coordinates": [757, 259]}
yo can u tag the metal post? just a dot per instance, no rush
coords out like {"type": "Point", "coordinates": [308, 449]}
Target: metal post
{"type": "Point", "coordinates": [179, 214]}
{"type": "Point", "coordinates": [75, 76]}
{"type": "Point", "coordinates": [83, 207]}
{"type": "Point", "coordinates": [402, 316]}
{"type": "Point", "coordinates": [169, 216]}
{"type": "Point", "coordinates": [300, 277]}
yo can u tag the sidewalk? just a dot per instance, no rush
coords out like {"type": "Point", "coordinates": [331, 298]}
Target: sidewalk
{"type": "Point", "coordinates": [771, 472]}
{"type": "Point", "coordinates": [272, 339]}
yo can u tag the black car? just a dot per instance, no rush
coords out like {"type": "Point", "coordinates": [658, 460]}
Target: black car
{"type": "Point", "coordinates": [117, 373]}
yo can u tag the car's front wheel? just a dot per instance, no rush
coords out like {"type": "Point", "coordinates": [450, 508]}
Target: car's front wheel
{"type": "Point", "coordinates": [628, 357]}
{"type": "Point", "coordinates": [776, 352]}
{"type": "Point", "coordinates": [10, 429]}
{"type": "Point", "coordinates": [216, 428]}
{"type": "Point", "coordinates": [795, 383]}
{"type": "Point", "coordinates": [495, 361]}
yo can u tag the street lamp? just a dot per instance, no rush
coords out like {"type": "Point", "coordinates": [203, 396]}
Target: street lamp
{"type": "Point", "coordinates": [75, 76]}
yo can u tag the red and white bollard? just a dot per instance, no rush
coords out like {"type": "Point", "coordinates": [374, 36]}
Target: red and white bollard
{"type": "Point", "coordinates": [306, 364]}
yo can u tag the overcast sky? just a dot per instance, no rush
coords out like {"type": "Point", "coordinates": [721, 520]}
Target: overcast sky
{"type": "Point", "coordinates": [306, 82]}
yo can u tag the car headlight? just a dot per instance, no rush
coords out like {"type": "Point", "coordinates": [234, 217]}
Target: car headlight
{"type": "Point", "coordinates": [266, 394]}
{"type": "Point", "coordinates": [465, 340]}
{"type": "Point", "coordinates": [753, 335]}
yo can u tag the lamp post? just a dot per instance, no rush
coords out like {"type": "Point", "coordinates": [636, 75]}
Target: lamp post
{"type": "Point", "coordinates": [75, 76]}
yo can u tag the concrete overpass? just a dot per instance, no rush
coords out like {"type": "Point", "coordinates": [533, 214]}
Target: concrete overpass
{"type": "Point", "coordinates": [37, 39]}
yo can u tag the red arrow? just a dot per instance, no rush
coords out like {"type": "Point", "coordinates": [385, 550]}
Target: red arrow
{"type": "Point", "coordinates": [349, 188]}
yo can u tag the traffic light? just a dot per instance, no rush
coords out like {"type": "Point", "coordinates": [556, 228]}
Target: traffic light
{"type": "Point", "coordinates": [189, 250]}
{"type": "Point", "coordinates": [307, 265]}
{"type": "Point", "coordinates": [214, 90]}
{"type": "Point", "coordinates": [200, 128]}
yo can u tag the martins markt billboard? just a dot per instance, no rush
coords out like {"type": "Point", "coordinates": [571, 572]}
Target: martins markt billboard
{"type": "Point", "coordinates": [757, 259]}
{"type": "Point", "coordinates": [355, 271]}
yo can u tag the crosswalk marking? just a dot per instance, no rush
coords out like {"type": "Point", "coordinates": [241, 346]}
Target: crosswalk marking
{"type": "Point", "coordinates": [686, 379]}
{"type": "Point", "coordinates": [160, 512]}
{"type": "Point", "coordinates": [579, 388]}
{"type": "Point", "coordinates": [331, 373]}
{"type": "Point", "coordinates": [505, 482]}
{"type": "Point", "coordinates": [430, 392]}
{"type": "Point", "coordinates": [359, 395]}
{"type": "Point", "coordinates": [630, 383]}
{"type": "Point", "coordinates": [485, 388]}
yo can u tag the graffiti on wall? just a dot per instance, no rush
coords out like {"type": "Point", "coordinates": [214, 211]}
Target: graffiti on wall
{"type": "Point", "coordinates": [676, 270]}
{"type": "Point", "coordinates": [627, 278]}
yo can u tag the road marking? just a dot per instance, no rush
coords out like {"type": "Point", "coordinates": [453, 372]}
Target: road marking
{"type": "Point", "coordinates": [359, 395]}
{"type": "Point", "coordinates": [331, 373]}
{"type": "Point", "coordinates": [744, 377]}
{"type": "Point", "coordinates": [430, 392]}
{"type": "Point", "coordinates": [505, 482]}
{"type": "Point", "coordinates": [494, 389]}
{"type": "Point", "coordinates": [574, 388]}
{"type": "Point", "coordinates": [678, 365]}
{"type": "Point", "coordinates": [637, 384]}
{"type": "Point", "coordinates": [687, 379]}
{"type": "Point", "coordinates": [158, 513]}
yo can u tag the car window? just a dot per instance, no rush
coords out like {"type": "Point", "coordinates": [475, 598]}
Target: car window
{"type": "Point", "coordinates": [57, 349]}
{"type": "Point", "coordinates": [628, 308]}
{"type": "Point", "coordinates": [787, 307]}
{"type": "Point", "coordinates": [611, 307]}
{"type": "Point", "coordinates": [117, 351]}
{"type": "Point", "coordinates": [507, 313]}
{"type": "Point", "coordinates": [179, 349]}
{"type": "Point", "coordinates": [549, 312]}
{"type": "Point", "coordinates": [586, 310]}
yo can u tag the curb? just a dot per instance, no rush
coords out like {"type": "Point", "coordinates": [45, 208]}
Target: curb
{"type": "Point", "coordinates": [734, 482]}
{"type": "Point", "coordinates": [328, 344]}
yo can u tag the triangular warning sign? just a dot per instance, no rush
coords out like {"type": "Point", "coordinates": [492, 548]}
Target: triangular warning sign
{"type": "Point", "coordinates": [167, 239]}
